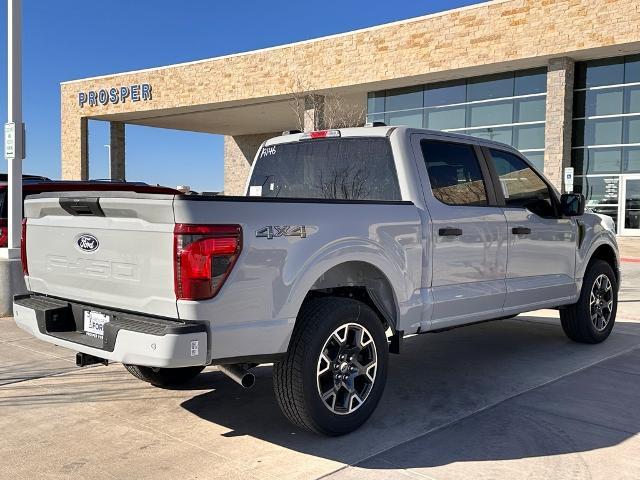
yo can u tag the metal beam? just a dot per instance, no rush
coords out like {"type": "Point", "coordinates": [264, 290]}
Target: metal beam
{"type": "Point", "coordinates": [14, 110]}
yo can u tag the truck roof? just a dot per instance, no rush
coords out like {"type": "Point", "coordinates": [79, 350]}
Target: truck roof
{"type": "Point", "coordinates": [385, 131]}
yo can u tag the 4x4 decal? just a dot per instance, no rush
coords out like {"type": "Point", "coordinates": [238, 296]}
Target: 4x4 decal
{"type": "Point", "coordinates": [272, 231]}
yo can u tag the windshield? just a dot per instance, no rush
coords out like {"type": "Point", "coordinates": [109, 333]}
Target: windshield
{"type": "Point", "coordinates": [338, 168]}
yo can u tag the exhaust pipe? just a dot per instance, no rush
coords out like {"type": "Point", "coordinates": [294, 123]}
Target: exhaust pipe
{"type": "Point", "coordinates": [84, 360]}
{"type": "Point", "coordinates": [238, 374]}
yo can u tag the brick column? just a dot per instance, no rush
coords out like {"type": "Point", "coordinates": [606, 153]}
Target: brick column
{"type": "Point", "coordinates": [559, 114]}
{"type": "Point", "coordinates": [117, 142]}
{"type": "Point", "coordinates": [313, 113]}
{"type": "Point", "coordinates": [239, 152]}
{"type": "Point", "coordinates": [75, 148]}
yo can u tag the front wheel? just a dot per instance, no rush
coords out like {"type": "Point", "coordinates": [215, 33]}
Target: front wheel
{"type": "Point", "coordinates": [591, 319]}
{"type": "Point", "coordinates": [334, 373]}
{"type": "Point", "coordinates": [164, 377]}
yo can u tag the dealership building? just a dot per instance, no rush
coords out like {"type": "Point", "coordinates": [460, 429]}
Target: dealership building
{"type": "Point", "coordinates": [557, 79]}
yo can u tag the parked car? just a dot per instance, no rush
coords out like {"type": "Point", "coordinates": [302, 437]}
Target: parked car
{"type": "Point", "coordinates": [33, 184]}
{"type": "Point", "coordinates": [347, 241]}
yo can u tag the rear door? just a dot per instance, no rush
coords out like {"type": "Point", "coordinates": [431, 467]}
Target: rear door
{"type": "Point", "coordinates": [115, 251]}
{"type": "Point", "coordinates": [542, 244]}
{"type": "Point", "coordinates": [469, 231]}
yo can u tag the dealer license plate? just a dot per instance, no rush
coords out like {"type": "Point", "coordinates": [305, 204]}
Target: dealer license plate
{"type": "Point", "coordinates": [94, 323]}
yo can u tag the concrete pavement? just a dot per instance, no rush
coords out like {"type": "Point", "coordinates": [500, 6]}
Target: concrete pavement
{"type": "Point", "coordinates": [508, 399]}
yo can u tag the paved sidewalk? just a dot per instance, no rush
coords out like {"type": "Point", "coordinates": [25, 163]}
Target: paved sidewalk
{"type": "Point", "coordinates": [629, 248]}
{"type": "Point", "coordinates": [502, 400]}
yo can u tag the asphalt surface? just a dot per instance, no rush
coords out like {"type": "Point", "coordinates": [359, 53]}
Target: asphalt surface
{"type": "Point", "coordinates": [503, 400]}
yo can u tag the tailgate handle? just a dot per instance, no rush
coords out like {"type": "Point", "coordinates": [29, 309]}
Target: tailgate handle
{"type": "Point", "coordinates": [89, 206]}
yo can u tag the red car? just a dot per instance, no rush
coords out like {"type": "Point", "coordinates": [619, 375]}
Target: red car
{"type": "Point", "coordinates": [32, 184]}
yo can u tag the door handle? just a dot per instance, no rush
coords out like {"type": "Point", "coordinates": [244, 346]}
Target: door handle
{"type": "Point", "coordinates": [450, 232]}
{"type": "Point", "coordinates": [521, 230]}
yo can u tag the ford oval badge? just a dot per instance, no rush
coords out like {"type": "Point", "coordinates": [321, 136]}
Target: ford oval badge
{"type": "Point", "coordinates": [88, 243]}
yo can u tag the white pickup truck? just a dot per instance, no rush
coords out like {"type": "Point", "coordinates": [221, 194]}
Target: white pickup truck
{"type": "Point", "coordinates": [346, 241]}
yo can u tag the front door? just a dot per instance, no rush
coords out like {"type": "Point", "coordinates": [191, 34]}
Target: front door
{"type": "Point", "coordinates": [468, 240]}
{"type": "Point", "coordinates": [542, 244]}
{"type": "Point", "coordinates": [630, 200]}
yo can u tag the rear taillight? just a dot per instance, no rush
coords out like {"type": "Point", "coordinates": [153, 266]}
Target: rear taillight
{"type": "Point", "coordinates": [23, 247]}
{"type": "Point", "coordinates": [203, 258]}
{"type": "Point", "coordinates": [320, 134]}
{"type": "Point", "coordinates": [4, 234]}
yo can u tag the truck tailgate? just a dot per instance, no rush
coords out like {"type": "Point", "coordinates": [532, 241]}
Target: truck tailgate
{"type": "Point", "coordinates": [115, 250]}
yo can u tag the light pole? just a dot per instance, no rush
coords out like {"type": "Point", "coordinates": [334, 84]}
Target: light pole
{"type": "Point", "coordinates": [14, 128]}
{"type": "Point", "coordinates": [108, 147]}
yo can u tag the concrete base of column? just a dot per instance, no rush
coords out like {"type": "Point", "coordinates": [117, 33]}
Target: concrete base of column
{"type": "Point", "coordinates": [11, 283]}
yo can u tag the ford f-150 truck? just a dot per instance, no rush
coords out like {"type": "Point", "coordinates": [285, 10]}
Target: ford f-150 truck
{"type": "Point", "coordinates": [346, 241]}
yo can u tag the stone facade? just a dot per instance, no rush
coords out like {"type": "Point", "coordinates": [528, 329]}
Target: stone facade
{"type": "Point", "coordinates": [117, 150]}
{"type": "Point", "coordinates": [559, 114]}
{"type": "Point", "coordinates": [239, 152]}
{"type": "Point", "coordinates": [485, 38]}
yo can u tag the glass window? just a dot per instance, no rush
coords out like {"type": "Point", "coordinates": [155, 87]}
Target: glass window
{"type": "Point", "coordinates": [604, 131]}
{"type": "Point", "coordinates": [632, 69]}
{"type": "Point", "coordinates": [601, 194]}
{"type": "Point", "coordinates": [632, 99]}
{"type": "Point", "coordinates": [578, 160]}
{"type": "Point", "coordinates": [528, 136]}
{"type": "Point", "coordinates": [632, 204]}
{"type": "Point", "coordinates": [578, 133]}
{"type": "Point", "coordinates": [631, 157]}
{"type": "Point", "coordinates": [445, 117]}
{"type": "Point", "coordinates": [446, 93]}
{"type": "Point", "coordinates": [632, 130]}
{"type": "Point", "coordinates": [411, 118]}
{"type": "Point", "coordinates": [454, 173]}
{"type": "Point", "coordinates": [378, 117]}
{"type": "Point", "coordinates": [494, 86]}
{"type": "Point", "coordinates": [604, 102]}
{"type": "Point", "coordinates": [537, 158]}
{"type": "Point", "coordinates": [343, 168]}
{"type": "Point", "coordinates": [530, 109]}
{"type": "Point", "coordinates": [529, 82]}
{"type": "Point", "coordinates": [600, 72]}
{"type": "Point", "coordinates": [375, 102]}
{"type": "Point", "coordinates": [501, 134]}
{"type": "Point", "coordinates": [579, 104]}
{"type": "Point", "coordinates": [604, 160]}
{"type": "Point", "coordinates": [521, 185]}
{"type": "Point", "coordinates": [493, 113]}
{"type": "Point", "coordinates": [404, 98]}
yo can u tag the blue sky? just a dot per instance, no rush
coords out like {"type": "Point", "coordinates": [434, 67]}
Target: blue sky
{"type": "Point", "coordinates": [69, 39]}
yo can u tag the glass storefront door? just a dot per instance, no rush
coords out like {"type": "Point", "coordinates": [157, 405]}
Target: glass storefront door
{"type": "Point", "coordinates": [631, 205]}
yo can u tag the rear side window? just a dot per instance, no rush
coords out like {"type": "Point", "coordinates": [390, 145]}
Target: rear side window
{"type": "Point", "coordinates": [521, 185]}
{"type": "Point", "coordinates": [454, 173]}
{"type": "Point", "coordinates": [332, 169]}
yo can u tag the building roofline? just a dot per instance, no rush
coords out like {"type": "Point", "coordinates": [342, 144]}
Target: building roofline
{"type": "Point", "coordinates": [301, 42]}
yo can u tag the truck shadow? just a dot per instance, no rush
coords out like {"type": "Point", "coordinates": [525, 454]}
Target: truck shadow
{"type": "Point", "coordinates": [503, 390]}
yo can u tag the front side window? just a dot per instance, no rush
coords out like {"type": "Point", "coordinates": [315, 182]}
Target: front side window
{"type": "Point", "coordinates": [454, 173]}
{"type": "Point", "coordinates": [521, 185]}
{"type": "Point", "coordinates": [331, 169]}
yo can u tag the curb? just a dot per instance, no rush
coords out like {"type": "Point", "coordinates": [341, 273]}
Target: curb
{"type": "Point", "coordinates": [630, 259]}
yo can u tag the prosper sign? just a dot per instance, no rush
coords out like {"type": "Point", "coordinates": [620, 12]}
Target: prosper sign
{"type": "Point", "coordinates": [114, 95]}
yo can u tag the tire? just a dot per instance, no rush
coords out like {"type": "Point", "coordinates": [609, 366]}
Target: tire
{"type": "Point", "coordinates": [578, 320]}
{"type": "Point", "coordinates": [164, 377]}
{"type": "Point", "coordinates": [323, 346]}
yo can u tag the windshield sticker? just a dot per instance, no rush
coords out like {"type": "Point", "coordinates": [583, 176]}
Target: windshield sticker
{"type": "Point", "coordinates": [272, 186]}
{"type": "Point", "coordinates": [255, 191]}
{"type": "Point", "coordinates": [266, 151]}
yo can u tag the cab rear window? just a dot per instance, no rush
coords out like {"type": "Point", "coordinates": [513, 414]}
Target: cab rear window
{"type": "Point", "coordinates": [331, 169]}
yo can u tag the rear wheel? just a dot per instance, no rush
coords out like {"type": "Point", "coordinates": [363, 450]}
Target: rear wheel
{"type": "Point", "coordinates": [335, 370]}
{"type": "Point", "coordinates": [591, 319]}
{"type": "Point", "coordinates": [164, 377]}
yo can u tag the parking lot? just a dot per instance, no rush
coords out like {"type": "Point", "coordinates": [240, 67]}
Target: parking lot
{"type": "Point", "coordinates": [507, 399]}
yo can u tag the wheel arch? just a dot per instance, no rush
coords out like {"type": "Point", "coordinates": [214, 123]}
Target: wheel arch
{"type": "Point", "coordinates": [606, 253]}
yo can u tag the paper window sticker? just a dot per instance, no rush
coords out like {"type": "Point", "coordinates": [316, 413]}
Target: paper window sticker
{"type": "Point", "coordinates": [255, 191]}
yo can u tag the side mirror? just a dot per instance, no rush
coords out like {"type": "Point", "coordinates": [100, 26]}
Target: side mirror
{"type": "Point", "coordinates": [572, 204]}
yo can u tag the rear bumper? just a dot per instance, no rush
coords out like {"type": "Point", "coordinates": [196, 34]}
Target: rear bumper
{"type": "Point", "coordinates": [128, 338]}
